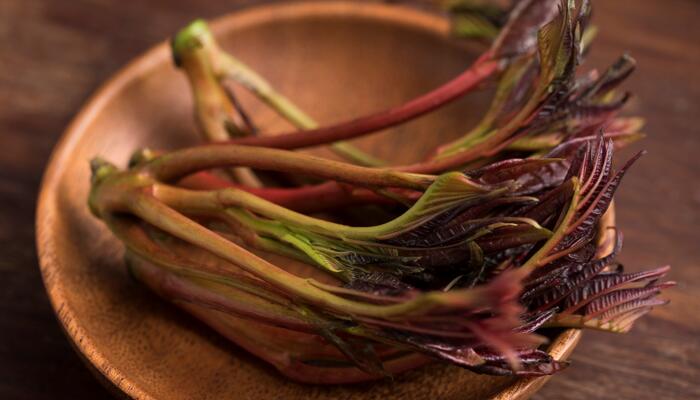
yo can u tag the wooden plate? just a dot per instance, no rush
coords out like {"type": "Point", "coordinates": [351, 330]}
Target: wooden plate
{"type": "Point", "coordinates": [336, 60]}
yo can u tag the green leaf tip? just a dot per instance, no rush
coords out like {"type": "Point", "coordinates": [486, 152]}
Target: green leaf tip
{"type": "Point", "coordinates": [195, 35]}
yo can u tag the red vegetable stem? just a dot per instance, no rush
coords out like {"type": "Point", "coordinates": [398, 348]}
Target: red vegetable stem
{"type": "Point", "coordinates": [482, 68]}
{"type": "Point", "coordinates": [305, 199]}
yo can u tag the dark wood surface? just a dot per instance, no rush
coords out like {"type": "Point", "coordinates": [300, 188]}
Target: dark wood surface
{"type": "Point", "coordinates": [54, 54]}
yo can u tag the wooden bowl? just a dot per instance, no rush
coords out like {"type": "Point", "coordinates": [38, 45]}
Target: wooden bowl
{"type": "Point", "coordinates": [336, 60]}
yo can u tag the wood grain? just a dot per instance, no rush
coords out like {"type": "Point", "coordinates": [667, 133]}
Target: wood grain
{"type": "Point", "coordinates": [55, 53]}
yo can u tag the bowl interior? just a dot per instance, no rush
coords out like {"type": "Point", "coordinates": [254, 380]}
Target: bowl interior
{"type": "Point", "coordinates": [336, 61]}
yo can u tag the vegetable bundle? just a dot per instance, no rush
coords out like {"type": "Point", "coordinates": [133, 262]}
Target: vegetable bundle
{"type": "Point", "coordinates": [499, 234]}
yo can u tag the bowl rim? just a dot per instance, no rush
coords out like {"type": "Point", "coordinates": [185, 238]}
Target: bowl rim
{"type": "Point", "coordinates": [431, 23]}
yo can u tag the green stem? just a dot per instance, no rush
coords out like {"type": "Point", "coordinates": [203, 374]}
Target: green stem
{"type": "Point", "coordinates": [183, 162]}
{"type": "Point", "coordinates": [308, 199]}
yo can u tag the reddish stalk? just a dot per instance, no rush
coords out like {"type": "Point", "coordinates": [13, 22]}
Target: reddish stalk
{"type": "Point", "coordinates": [483, 68]}
{"type": "Point", "coordinates": [305, 199]}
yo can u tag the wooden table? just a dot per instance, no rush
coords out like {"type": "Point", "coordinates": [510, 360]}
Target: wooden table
{"type": "Point", "coordinates": [53, 54]}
